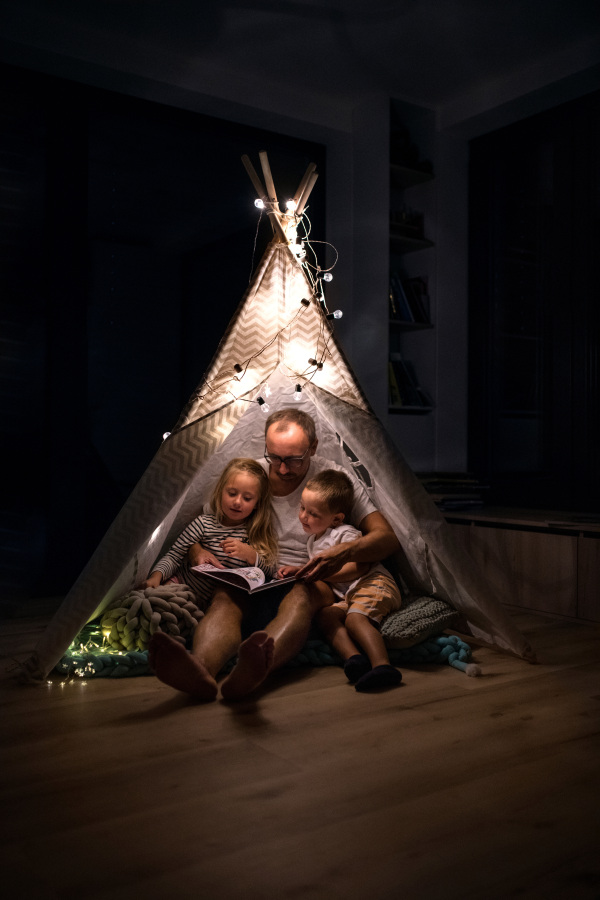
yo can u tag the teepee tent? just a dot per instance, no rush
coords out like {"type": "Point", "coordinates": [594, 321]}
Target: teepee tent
{"type": "Point", "coordinates": [278, 349]}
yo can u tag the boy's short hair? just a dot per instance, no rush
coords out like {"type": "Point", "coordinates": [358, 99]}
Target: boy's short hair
{"type": "Point", "coordinates": [335, 489]}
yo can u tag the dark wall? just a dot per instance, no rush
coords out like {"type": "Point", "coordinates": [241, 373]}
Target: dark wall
{"type": "Point", "coordinates": [534, 426]}
{"type": "Point", "coordinates": [128, 236]}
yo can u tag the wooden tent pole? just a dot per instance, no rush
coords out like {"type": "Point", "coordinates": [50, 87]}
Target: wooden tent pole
{"type": "Point", "coordinates": [311, 168]}
{"type": "Point", "coordinates": [258, 185]}
{"type": "Point", "coordinates": [306, 193]}
{"type": "Point", "coordinates": [266, 168]}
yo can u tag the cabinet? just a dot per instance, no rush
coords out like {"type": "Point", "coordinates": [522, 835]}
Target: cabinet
{"type": "Point", "coordinates": [409, 301]}
{"type": "Point", "coordinates": [537, 560]}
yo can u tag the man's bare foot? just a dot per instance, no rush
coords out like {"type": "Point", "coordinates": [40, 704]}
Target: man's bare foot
{"type": "Point", "coordinates": [172, 664]}
{"type": "Point", "coordinates": [255, 659]}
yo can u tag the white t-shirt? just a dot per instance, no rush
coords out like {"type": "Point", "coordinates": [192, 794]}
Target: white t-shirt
{"type": "Point", "coordinates": [290, 534]}
{"type": "Point", "coordinates": [340, 535]}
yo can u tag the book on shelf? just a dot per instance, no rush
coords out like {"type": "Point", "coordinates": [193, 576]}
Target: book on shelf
{"type": "Point", "coordinates": [249, 578]}
{"type": "Point", "coordinates": [402, 377]}
{"type": "Point", "coordinates": [454, 490]}
{"type": "Point", "coordinates": [406, 303]}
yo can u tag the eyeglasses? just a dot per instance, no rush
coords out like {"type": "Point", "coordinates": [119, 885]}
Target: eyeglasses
{"type": "Point", "coordinates": [291, 462]}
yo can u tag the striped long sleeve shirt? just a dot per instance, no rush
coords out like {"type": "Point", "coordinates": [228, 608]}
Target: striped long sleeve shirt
{"type": "Point", "coordinates": [209, 532]}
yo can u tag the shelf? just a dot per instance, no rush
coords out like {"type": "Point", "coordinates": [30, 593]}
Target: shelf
{"type": "Point", "coordinates": [402, 177]}
{"type": "Point", "coordinates": [403, 244]}
{"type": "Point", "coordinates": [409, 326]}
{"type": "Point", "coordinates": [413, 410]}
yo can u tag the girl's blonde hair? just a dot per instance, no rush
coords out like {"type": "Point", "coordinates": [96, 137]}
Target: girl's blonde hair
{"type": "Point", "coordinates": [261, 534]}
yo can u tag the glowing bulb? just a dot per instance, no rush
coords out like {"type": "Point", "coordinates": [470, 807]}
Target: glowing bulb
{"type": "Point", "coordinates": [327, 276]}
{"type": "Point", "coordinates": [263, 405]}
{"type": "Point", "coordinates": [336, 314]}
{"type": "Point", "coordinates": [298, 393]}
{"type": "Point", "coordinates": [166, 435]}
{"type": "Point", "coordinates": [291, 205]}
{"type": "Point", "coordinates": [259, 204]}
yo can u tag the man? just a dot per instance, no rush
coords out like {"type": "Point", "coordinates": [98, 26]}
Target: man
{"type": "Point", "coordinates": [290, 447]}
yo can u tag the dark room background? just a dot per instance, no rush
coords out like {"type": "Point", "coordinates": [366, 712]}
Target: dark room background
{"type": "Point", "coordinates": [128, 237]}
{"type": "Point", "coordinates": [534, 318]}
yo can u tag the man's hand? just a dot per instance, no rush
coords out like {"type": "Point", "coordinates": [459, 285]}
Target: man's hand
{"type": "Point", "coordinates": [325, 564]}
{"type": "Point", "coordinates": [198, 556]}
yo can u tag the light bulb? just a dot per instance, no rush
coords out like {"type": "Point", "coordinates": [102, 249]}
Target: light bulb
{"type": "Point", "coordinates": [298, 393]}
{"type": "Point", "coordinates": [263, 405]}
{"type": "Point", "coordinates": [259, 204]}
{"type": "Point", "coordinates": [327, 276]}
{"type": "Point", "coordinates": [291, 205]}
{"type": "Point", "coordinates": [166, 435]}
{"type": "Point", "coordinates": [336, 314]}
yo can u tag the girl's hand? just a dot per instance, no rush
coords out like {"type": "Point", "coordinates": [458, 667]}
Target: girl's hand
{"type": "Point", "coordinates": [198, 556]}
{"type": "Point", "coordinates": [237, 548]}
{"type": "Point", "coordinates": [153, 581]}
{"type": "Point", "coordinates": [286, 571]}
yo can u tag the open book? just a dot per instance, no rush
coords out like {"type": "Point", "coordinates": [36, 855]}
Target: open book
{"type": "Point", "coordinates": [248, 578]}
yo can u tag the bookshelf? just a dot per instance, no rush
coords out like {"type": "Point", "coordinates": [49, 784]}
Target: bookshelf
{"type": "Point", "coordinates": [409, 302]}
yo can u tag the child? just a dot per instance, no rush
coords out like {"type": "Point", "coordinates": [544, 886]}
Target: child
{"type": "Point", "coordinates": [238, 531]}
{"type": "Point", "coordinates": [368, 591]}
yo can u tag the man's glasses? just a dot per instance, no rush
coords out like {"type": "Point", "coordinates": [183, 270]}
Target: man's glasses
{"type": "Point", "coordinates": [291, 462]}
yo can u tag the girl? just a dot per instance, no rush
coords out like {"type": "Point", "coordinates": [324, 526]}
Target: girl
{"type": "Point", "coordinates": [237, 532]}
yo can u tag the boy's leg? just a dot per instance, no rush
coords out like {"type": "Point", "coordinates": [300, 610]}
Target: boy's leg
{"type": "Point", "coordinates": [368, 636]}
{"type": "Point", "coordinates": [331, 621]}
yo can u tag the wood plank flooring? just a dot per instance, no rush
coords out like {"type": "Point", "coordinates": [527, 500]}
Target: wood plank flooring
{"type": "Point", "coordinates": [448, 787]}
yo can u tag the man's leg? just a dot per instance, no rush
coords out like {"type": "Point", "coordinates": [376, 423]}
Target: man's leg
{"type": "Point", "coordinates": [216, 639]}
{"type": "Point", "coordinates": [279, 642]}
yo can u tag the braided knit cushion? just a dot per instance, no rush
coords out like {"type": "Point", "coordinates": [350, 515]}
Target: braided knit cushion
{"type": "Point", "coordinates": [419, 619]}
{"type": "Point", "coordinates": [132, 620]}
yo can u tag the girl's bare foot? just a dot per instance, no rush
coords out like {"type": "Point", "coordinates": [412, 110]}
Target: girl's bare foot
{"type": "Point", "coordinates": [172, 664]}
{"type": "Point", "coordinates": [255, 659]}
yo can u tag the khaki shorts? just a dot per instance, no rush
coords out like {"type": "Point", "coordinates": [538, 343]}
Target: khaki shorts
{"type": "Point", "coordinates": [374, 596]}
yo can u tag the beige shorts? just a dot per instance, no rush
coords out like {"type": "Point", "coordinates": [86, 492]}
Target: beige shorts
{"type": "Point", "coordinates": [374, 596]}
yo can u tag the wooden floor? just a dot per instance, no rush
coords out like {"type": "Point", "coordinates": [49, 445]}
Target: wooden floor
{"type": "Point", "coordinates": [448, 787]}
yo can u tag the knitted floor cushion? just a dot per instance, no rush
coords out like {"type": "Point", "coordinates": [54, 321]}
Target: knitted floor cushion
{"type": "Point", "coordinates": [413, 635]}
{"type": "Point", "coordinates": [420, 618]}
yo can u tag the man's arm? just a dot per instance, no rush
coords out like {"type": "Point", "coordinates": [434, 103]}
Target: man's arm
{"type": "Point", "coordinates": [377, 541]}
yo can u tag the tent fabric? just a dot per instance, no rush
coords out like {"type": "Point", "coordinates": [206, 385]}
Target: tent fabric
{"type": "Point", "coordinates": [270, 340]}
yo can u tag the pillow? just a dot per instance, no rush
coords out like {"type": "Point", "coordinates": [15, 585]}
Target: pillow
{"type": "Point", "coordinates": [418, 620]}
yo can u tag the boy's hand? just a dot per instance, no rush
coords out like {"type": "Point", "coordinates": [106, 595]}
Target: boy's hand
{"type": "Point", "coordinates": [286, 571]}
{"type": "Point", "coordinates": [237, 548]}
{"type": "Point", "coordinates": [325, 564]}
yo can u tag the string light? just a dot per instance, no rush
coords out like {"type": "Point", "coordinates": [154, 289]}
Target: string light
{"type": "Point", "coordinates": [327, 276]}
{"type": "Point", "coordinates": [298, 393]}
{"type": "Point", "coordinates": [336, 314]}
{"type": "Point", "coordinates": [166, 435]}
{"type": "Point", "coordinates": [263, 404]}
{"type": "Point", "coordinates": [291, 205]}
{"type": "Point", "coordinates": [259, 204]}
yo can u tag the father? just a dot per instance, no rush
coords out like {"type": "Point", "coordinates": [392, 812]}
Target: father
{"type": "Point", "coordinates": [290, 447]}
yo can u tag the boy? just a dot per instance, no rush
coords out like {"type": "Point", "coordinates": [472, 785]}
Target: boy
{"type": "Point", "coordinates": [367, 591]}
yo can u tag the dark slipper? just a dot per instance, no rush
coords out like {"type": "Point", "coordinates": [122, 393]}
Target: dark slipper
{"type": "Point", "coordinates": [356, 666]}
{"type": "Point", "coordinates": [379, 677]}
